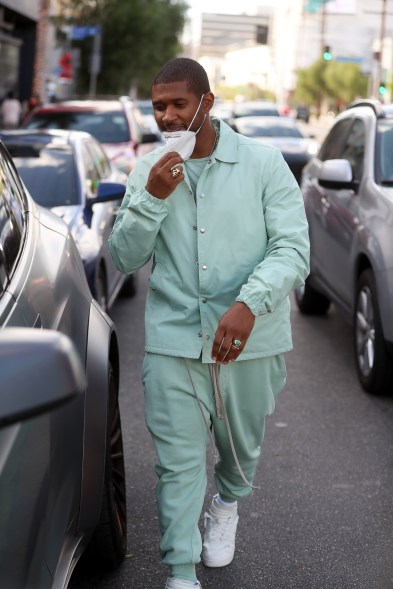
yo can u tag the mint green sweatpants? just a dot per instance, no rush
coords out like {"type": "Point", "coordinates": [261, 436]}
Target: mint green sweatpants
{"type": "Point", "coordinates": [174, 419]}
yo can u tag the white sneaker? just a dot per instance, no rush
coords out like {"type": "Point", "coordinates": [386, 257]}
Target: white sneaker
{"type": "Point", "coordinates": [220, 534]}
{"type": "Point", "coordinates": [172, 583]}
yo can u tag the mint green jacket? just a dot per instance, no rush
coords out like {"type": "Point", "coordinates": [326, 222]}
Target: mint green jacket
{"type": "Point", "coordinates": [242, 237]}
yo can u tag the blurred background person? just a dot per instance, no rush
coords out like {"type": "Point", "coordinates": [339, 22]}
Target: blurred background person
{"type": "Point", "coordinates": [11, 110]}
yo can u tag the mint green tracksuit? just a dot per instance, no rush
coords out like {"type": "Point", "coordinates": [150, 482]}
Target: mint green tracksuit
{"type": "Point", "coordinates": [242, 236]}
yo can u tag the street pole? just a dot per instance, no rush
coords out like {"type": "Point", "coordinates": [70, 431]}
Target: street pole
{"type": "Point", "coordinates": [381, 38]}
{"type": "Point", "coordinates": [95, 65]}
{"type": "Point", "coordinates": [323, 23]}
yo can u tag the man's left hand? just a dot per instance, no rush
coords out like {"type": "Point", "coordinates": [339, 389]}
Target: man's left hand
{"type": "Point", "coordinates": [236, 324]}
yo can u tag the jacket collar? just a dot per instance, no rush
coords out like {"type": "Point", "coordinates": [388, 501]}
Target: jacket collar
{"type": "Point", "coordinates": [227, 149]}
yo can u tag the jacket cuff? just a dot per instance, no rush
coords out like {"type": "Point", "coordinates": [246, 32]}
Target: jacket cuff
{"type": "Point", "coordinates": [144, 197]}
{"type": "Point", "coordinates": [255, 305]}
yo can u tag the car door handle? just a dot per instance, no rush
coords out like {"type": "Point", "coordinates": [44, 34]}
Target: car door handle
{"type": "Point", "coordinates": [325, 202]}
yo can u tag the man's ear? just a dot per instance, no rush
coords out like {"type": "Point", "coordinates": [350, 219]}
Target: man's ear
{"type": "Point", "coordinates": [208, 101]}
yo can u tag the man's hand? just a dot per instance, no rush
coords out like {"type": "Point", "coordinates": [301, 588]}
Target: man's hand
{"type": "Point", "coordinates": [160, 182]}
{"type": "Point", "coordinates": [236, 324]}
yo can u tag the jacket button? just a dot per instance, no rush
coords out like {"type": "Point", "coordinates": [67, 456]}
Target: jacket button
{"type": "Point", "coordinates": [202, 230]}
{"type": "Point", "coordinates": [194, 227]}
{"type": "Point", "coordinates": [204, 300]}
{"type": "Point", "coordinates": [200, 334]}
{"type": "Point", "coordinates": [204, 267]}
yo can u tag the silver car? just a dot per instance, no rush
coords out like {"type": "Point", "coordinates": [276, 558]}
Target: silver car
{"type": "Point", "coordinates": [62, 478]}
{"type": "Point", "coordinates": [348, 195]}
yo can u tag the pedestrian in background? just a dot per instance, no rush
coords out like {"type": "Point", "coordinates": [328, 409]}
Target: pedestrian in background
{"type": "Point", "coordinates": [11, 111]}
{"type": "Point", "coordinates": [223, 218]}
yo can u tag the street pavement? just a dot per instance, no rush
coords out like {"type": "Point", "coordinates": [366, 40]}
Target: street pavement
{"type": "Point", "coordinates": [322, 515]}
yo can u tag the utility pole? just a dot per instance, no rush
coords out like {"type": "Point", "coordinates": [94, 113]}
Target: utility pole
{"type": "Point", "coordinates": [40, 49]}
{"type": "Point", "coordinates": [381, 39]}
{"type": "Point", "coordinates": [323, 24]}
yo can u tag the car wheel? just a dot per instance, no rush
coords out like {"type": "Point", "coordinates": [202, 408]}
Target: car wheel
{"type": "Point", "coordinates": [373, 362]}
{"type": "Point", "coordinates": [130, 286]}
{"type": "Point", "coordinates": [101, 294]}
{"type": "Point", "coordinates": [109, 543]}
{"type": "Point", "coordinates": [310, 301]}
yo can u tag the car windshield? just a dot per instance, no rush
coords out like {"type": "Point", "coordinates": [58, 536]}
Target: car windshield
{"type": "Point", "coordinates": [384, 159]}
{"type": "Point", "coordinates": [266, 130]}
{"type": "Point", "coordinates": [250, 110]}
{"type": "Point", "coordinates": [106, 126]}
{"type": "Point", "coordinates": [49, 175]}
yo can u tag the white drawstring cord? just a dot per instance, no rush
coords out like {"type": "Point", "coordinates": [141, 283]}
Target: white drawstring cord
{"type": "Point", "coordinates": [221, 414]}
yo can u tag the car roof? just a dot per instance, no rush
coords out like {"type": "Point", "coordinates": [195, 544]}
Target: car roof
{"type": "Point", "coordinates": [269, 121]}
{"type": "Point", "coordinates": [81, 105]}
{"type": "Point", "coordinates": [58, 136]}
{"type": "Point", "coordinates": [380, 110]}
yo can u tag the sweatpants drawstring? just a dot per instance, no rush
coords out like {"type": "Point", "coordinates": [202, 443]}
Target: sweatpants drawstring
{"type": "Point", "coordinates": [221, 414]}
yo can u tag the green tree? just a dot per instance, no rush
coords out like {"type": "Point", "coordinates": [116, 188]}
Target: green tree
{"type": "Point", "coordinates": [344, 82]}
{"type": "Point", "coordinates": [138, 36]}
{"type": "Point", "coordinates": [341, 82]}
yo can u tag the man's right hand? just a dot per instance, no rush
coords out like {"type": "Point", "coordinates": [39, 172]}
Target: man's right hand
{"type": "Point", "coordinates": [160, 182]}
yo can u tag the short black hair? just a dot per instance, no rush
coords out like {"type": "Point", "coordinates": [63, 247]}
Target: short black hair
{"type": "Point", "coordinates": [184, 69]}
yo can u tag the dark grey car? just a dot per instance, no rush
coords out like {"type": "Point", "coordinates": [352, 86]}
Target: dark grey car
{"type": "Point", "coordinates": [62, 479]}
{"type": "Point", "coordinates": [348, 195]}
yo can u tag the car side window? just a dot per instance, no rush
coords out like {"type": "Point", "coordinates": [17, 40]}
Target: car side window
{"type": "Point", "coordinates": [353, 148]}
{"type": "Point", "coordinates": [99, 158]}
{"type": "Point", "coordinates": [335, 139]}
{"type": "Point", "coordinates": [11, 224]}
{"type": "Point", "coordinates": [91, 171]}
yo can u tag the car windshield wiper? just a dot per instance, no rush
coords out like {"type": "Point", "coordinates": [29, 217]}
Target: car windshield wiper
{"type": "Point", "coordinates": [385, 182]}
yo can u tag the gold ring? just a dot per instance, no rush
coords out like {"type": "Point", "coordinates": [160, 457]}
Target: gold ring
{"type": "Point", "coordinates": [236, 344]}
{"type": "Point", "coordinates": [175, 172]}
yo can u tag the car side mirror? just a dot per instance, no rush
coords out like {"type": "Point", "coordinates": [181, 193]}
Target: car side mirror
{"type": "Point", "coordinates": [39, 371]}
{"type": "Point", "coordinates": [337, 174]}
{"type": "Point", "coordinates": [150, 138]}
{"type": "Point", "coordinates": [107, 191]}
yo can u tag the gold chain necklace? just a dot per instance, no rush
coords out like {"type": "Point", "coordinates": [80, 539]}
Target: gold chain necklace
{"type": "Point", "coordinates": [217, 137]}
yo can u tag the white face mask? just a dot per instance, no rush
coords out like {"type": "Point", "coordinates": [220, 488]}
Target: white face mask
{"type": "Point", "coordinates": [183, 142]}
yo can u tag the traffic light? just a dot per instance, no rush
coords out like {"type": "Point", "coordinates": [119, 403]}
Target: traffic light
{"type": "Point", "coordinates": [327, 55]}
{"type": "Point", "coordinates": [382, 89]}
{"type": "Point", "coordinates": [65, 63]}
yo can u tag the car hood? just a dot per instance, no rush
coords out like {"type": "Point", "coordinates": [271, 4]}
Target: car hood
{"type": "Point", "coordinates": [85, 238]}
{"type": "Point", "coordinates": [290, 144]}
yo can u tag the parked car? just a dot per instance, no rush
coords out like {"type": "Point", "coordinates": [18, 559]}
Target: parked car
{"type": "Point", "coordinates": [255, 108]}
{"type": "Point", "coordinates": [117, 124]}
{"type": "Point", "coordinates": [62, 477]}
{"type": "Point", "coordinates": [146, 108]}
{"type": "Point", "coordinates": [348, 195]}
{"type": "Point", "coordinates": [223, 110]}
{"type": "Point", "coordinates": [63, 171]}
{"type": "Point", "coordinates": [303, 113]}
{"type": "Point", "coordinates": [283, 133]}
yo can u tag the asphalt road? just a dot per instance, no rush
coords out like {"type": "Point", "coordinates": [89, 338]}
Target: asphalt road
{"type": "Point", "coordinates": [323, 515]}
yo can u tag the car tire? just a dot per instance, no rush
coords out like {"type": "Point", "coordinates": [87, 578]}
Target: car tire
{"type": "Point", "coordinates": [109, 543]}
{"type": "Point", "coordinates": [310, 301]}
{"type": "Point", "coordinates": [373, 362]}
{"type": "Point", "coordinates": [130, 286]}
{"type": "Point", "coordinates": [101, 288]}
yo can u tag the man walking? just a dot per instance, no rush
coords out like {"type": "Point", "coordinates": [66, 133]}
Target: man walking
{"type": "Point", "coordinates": [223, 218]}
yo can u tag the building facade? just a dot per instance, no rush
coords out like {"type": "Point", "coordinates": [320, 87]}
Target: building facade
{"type": "Point", "coordinates": [351, 29]}
{"type": "Point", "coordinates": [297, 32]}
{"type": "Point", "coordinates": [18, 29]}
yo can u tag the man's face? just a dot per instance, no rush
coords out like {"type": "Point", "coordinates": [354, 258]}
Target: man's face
{"type": "Point", "coordinates": [175, 106]}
